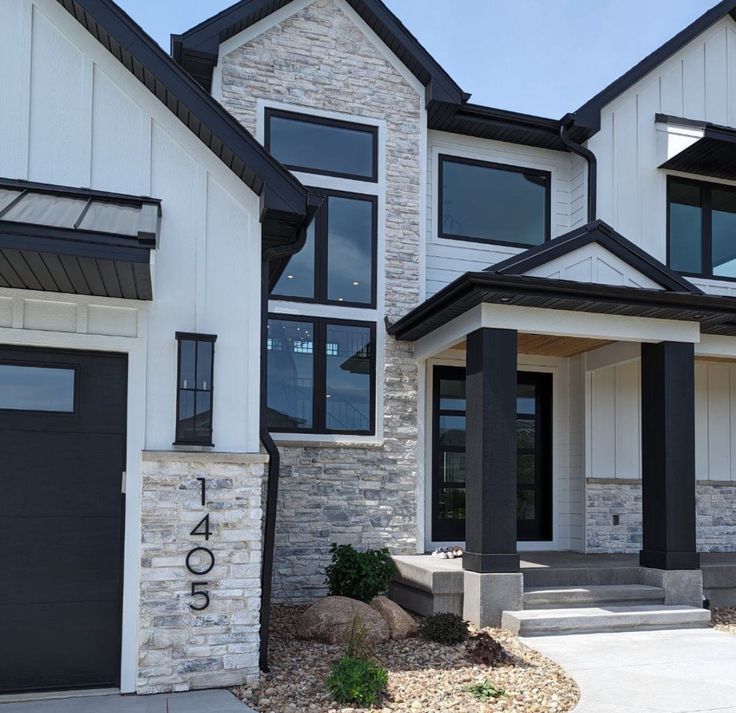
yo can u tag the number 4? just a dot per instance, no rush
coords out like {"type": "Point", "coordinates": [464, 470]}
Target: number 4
{"type": "Point", "coordinates": [205, 523]}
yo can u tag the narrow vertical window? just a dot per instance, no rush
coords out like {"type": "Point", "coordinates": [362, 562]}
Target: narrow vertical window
{"type": "Point", "coordinates": [194, 389]}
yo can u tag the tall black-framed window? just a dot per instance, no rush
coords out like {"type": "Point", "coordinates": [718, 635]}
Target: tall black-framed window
{"type": "Point", "coordinates": [321, 375]}
{"type": "Point", "coordinates": [486, 202]}
{"type": "Point", "coordinates": [315, 144]}
{"type": "Point", "coordinates": [195, 373]}
{"type": "Point", "coordinates": [337, 264]}
{"type": "Point", "coordinates": [701, 228]}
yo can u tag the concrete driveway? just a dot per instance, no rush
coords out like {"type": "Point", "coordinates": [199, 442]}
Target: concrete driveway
{"type": "Point", "coordinates": [678, 671]}
{"type": "Point", "coordinates": [192, 702]}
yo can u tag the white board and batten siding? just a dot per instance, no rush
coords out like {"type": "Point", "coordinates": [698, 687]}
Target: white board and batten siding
{"type": "Point", "coordinates": [613, 421]}
{"type": "Point", "coordinates": [73, 115]}
{"type": "Point", "coordinates": [698, 82]}
{"type": "Point", "coordinates": [448, 259]}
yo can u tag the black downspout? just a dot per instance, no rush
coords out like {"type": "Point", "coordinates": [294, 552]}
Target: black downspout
{"type": "Point", "coordinates": [566, 124]}
{"type": "Point", "coordinates": [274, 458]}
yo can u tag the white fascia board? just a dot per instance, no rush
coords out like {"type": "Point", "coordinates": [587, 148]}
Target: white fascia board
{"type": "Point", "coordinates": [450, 334]}
{"type": "Point", "coordinates": [587, 325]}
{"type": "Point", "coordinates": [715, 345]}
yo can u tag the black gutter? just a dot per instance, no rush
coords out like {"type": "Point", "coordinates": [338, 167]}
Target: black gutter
{"type": "Point", "coordinates": [566, 124]}
{"type": "Point", "coordinates": [274, 457]}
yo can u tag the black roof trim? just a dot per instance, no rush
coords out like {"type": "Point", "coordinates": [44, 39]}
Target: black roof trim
{"type": "Point", "coordinates": [716, 314]}
{"type": "Point", "coordinates": [205, 38]}
{"type": "Point", "coordinates": [596, 232]}
{"type": "Point", "coordinates": [284, 201]}
{"type": "Point", "coordinates": [589, 114]}
{"type": "Point", "coordinates": [447, 104]}
{"type": "Point", "coordinates": [501, 125]}
{"type": "Point", "coordinates": [712, 155]}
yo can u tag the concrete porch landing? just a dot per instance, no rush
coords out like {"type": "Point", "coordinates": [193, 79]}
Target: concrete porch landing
{"type": "Point", "coordinates": [428, 585]}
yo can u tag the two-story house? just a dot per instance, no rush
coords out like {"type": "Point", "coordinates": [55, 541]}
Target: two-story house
{"type": "Point", "coordinates": [289, 286]}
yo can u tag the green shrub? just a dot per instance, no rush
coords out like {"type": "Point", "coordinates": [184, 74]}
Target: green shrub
{"type": "Point", "coordinates": [444, 628]}
{"type": "Point", "coordinates": [486, 691]}
{"type": "Point", "coordinates": [359, 575]}
{"type": "Point", "coordinates": [358, 681]}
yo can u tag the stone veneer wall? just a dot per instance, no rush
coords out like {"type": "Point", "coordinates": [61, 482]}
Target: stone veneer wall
{"type": "Point", "coordinates": [179, 648]}
{"type": "Point", "coordinates": [715, 516]}
{"type": "Point", "coordinates": [318, 58]}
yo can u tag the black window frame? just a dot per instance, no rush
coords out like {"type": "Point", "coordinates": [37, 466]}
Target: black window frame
{"type": "Point", "coordinates": [180, 439]}
{"type": "Point", "coordinates": [319, 373]}
{"type": "Point", "coordinates": [323, 121]}
{"type": "Point", "coordinates": [706, 207]}
{"type": "Point", "coordinates": [321, 252]}
{"type": "Point", "coordinates": [547, 175]}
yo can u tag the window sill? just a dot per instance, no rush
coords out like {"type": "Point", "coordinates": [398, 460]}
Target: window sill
{"type": "Point", "coordinates": [314, 440]}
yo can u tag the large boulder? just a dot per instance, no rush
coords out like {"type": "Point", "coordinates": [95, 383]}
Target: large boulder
{"type": "Point", "coordinates": [400, 624]}
{"type": "Point", "coordinates": [331, 620]}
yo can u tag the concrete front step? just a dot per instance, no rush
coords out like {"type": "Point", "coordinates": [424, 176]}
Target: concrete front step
{"type": "Point", "coordinates": [585, 620]}
{"type": "Point", "coordinates": [552, 577]}
{"type": "Point", "coordinates": [592, 595]}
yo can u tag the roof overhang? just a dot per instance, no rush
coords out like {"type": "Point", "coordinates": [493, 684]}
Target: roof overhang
{"type": "Point", "coordinates": [286, 206]}
{"type": "Point", "coordinates": [710, 150]}
{"type": "Point", "coordinates": [77, 241]}
{"type": "Point", "coordinates": [713, 314]}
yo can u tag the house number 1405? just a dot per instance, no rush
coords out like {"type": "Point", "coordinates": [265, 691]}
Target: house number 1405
{"type": "Point", "coordinates": [204, 559]}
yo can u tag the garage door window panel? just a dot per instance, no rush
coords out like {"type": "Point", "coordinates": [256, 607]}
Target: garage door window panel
{"type": "Point", "coordinates": [37, 388]}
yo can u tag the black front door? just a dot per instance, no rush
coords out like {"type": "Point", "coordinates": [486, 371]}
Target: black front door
{"type": "Point", "coordinates": [534, 447]}
{"type": "Point", "coordinates": [62, 450]}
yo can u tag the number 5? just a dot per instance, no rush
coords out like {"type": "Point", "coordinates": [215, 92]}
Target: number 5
{"type": "Point", "coordinates": [204, 594]}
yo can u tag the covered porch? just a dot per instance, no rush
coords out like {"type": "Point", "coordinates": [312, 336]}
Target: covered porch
{"type": "Point", "coordinates": [543, 312]}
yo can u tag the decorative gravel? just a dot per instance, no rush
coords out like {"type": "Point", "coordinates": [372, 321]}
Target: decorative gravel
{"type": "Point", "coordinates": [423, 677]}
{"type": "Point", "coordinates": [724, 619]}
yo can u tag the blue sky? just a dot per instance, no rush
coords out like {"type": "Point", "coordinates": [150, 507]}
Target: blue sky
{"type": "Point", "coordinates": [537, 56]}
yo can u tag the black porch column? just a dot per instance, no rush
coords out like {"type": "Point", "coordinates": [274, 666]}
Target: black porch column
{"type": "Point", "coordinates": [668, 456]}
{"type": "Point", "coordinates": [490, 452]}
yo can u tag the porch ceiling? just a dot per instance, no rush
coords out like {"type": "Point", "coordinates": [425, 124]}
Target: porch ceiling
{"type": "Point", "coordinates": [545, 345]}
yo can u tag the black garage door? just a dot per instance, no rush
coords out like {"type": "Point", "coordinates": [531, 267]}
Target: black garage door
{"type": "Point", "coordinates": [62, 453]}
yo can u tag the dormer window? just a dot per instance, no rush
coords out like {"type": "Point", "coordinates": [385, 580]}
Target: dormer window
{"type": "Point", "coordinates": [701, 228]}
{"type": "Point", "coordinates": [493, 203]}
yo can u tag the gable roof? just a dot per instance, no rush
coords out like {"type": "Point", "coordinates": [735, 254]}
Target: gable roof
{"type": "Point", "coordinates": [286, 205]}
{"type": "Point", "coordinates": [193, 47]}
{"type": "Point", "coordinates": [589, 114]}
{"type": "Point", "coordinates": [603, 234]}
{"type": "Point", "coordinates": [447, 104]}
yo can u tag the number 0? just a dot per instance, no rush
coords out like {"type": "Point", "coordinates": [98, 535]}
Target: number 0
{"type": "Point", "coordinates": [207, 568]}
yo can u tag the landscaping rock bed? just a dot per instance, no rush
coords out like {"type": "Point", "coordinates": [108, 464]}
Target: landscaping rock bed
{"type": "Point", "coordinates": [423, 677]}
{"type": "Point", "coordinates": [724, 619]}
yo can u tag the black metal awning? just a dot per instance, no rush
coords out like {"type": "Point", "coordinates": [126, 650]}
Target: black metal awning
{"type": "Point", "coordinates": [713, 154]}
{"type": "Point", "coordinates": [76, 240]}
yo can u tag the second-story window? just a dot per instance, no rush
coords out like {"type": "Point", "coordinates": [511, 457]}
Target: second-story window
{"type": "Point", "coordinates": [337, 264]}
{"type": "Point", "coordinates": [701, 228]}
{"type": "Point", "coordinates": [316, 145]}
{"type": "Point", "coordinates": [493, 203]}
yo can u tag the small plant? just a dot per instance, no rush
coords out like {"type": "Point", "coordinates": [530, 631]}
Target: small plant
{"type": "Point", "coordinates": [444, 628]}
{"type": "Point", "coordinates": [359, 575]}
{"type": "Point", "coordinates": [486, 691]}
{"type": "Point", "coordinates": [487, 651]}
{"type": "Point", "coordinates": [357, 680]}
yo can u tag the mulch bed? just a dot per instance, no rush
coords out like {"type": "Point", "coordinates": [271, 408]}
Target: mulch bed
{"type": "Point", "coordinates": [724, 619]}
{"type": "Point", "coordinates": [423, 677]}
